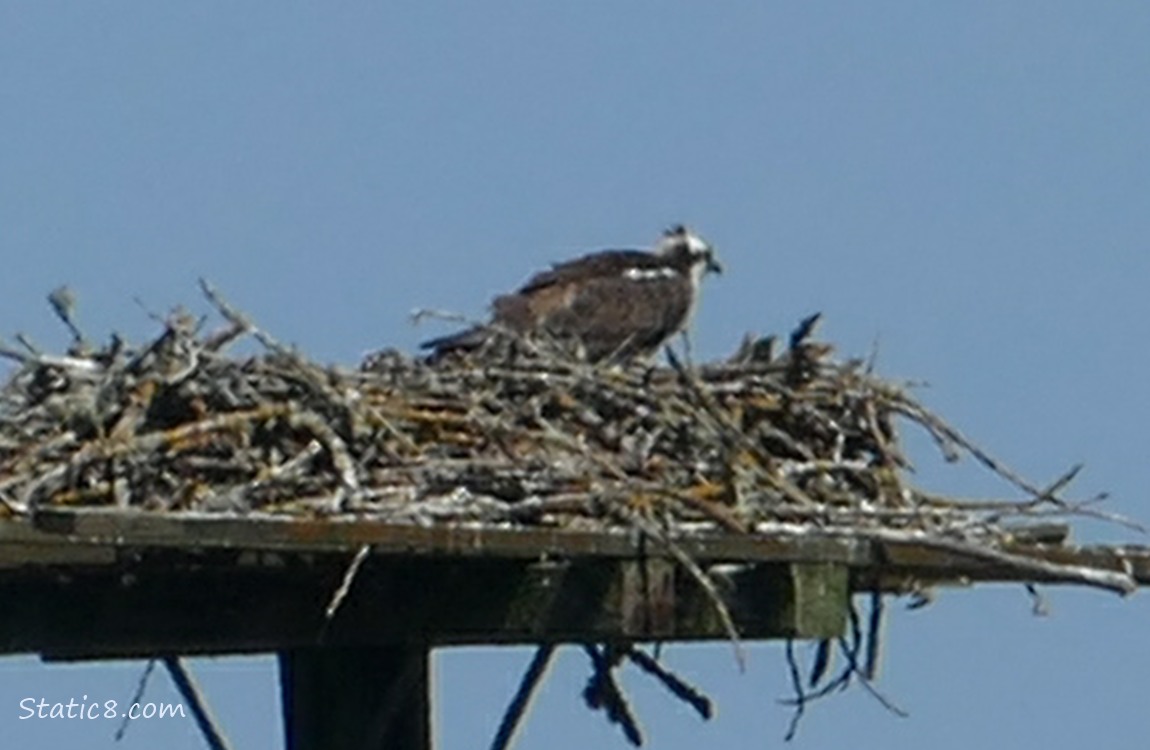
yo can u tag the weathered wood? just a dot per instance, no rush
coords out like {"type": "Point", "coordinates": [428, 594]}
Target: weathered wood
{"type": "Point", "coordinates": [107, 584]}
{"type": "Point", "coordinates": [93, 537]}
{"type": "Point", "coordinates": [372, 698]}
{"type": "Point", "coordinates": [160, 603]}
{"type": "Point", "coordinates": [793, 600]}
{"type": "Point", "coordinates": [66, 536]}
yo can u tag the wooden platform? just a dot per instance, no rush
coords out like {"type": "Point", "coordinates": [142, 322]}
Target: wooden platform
{"type": "Point", "coordinates": [100, 584]}
{"type": "Point", "coordinates": [107, 584]}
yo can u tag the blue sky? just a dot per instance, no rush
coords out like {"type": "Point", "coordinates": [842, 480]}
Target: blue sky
{"type": "Point", "coordinates": [965, 185]}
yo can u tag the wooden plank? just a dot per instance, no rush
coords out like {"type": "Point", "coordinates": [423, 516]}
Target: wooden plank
{"type": "Point", "coordinates": [160, 605]}
{"type": "Point", "coordinates": [792, 600]}
{"type": "Point", "coordinates": [356, 698]}
{"type": "Point", "coordinates": [68, 534]}
{"type": "Point", "coordinates": [112, 584]}
{"type": "Point", "coordinates": [99, 536]}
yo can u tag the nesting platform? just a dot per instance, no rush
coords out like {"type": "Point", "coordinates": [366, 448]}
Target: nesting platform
{"type": "Point", "coordinates": [172, 498]}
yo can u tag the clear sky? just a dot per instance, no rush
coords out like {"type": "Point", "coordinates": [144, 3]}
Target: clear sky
{"type": "Point", "coordinates": [965, 183]}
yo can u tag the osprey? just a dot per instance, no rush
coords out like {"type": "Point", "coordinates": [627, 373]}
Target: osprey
{"type": "Point", "coordinates": [609, 305]}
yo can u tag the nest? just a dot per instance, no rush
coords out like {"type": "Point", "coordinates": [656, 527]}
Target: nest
{"type": "Point", "coordinates": [779, 439]}
{"type": "Point", "coordinates": [515, 435]}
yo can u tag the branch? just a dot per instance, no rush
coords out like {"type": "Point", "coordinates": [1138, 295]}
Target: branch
{"type": "Point", "coordinates": [203, 718]}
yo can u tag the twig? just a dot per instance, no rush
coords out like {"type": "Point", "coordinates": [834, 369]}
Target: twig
{"type": "Point", "coordinates": [349, 575]}
{"type": "Point", "coordinates": [941, 429]}
{"type": "Point", "coordinates": [859, 640]}
{"type": "Point", "coordinates": [874, 639]}
{"type": "Point", "coordinates": [602, 692]}
{"type": "Point", "coordinates": [75, 364]}
{"type": "Point", "coordinates": [868, 685]}
{"type": "Point", "coordinates": [523, 695]}
{"type": "Point", "coordinates": [186, 686]}
{"type": "Point", "coordinates": [800, 699]}
{"type": "Point", "coordinates": [137, 696]}
{"type": "Point", "coordinates": [705, 582]}
{"type": "Point", "coordinates": [680, 689]}
{"type": "Point", "coordinates": [242, 321]}
{"type": "Point", "coordinates": [419, 314]}
{"type": "Point", "coordinates": [1111, 580]}
{"type": "Point", "coordinates": [1039, 605]}
{"type": "Point", "coordinates": [822, 662]}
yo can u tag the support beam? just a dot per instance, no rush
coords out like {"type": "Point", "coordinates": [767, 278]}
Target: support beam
{"type": "Point", "coordinates": [369, 698]}
{"type": "Point", "coordinates": [164, 603]}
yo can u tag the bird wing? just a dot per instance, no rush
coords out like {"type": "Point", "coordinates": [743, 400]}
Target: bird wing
{"type": "Point", "coordinates": [617, 316]}
{"type": "Point", "coordinates": [593, 265]}
{"type": "Point", "coordinates": [595, 300]}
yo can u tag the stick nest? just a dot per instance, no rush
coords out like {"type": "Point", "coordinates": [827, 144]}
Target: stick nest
{"type": "Point", "coordinates": [514, 435]}
{"type": "Point", "coordinates": [780, 438]}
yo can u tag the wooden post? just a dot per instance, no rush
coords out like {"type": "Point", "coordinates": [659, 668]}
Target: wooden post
{"type": "Point", "coordinates": [358, 698]}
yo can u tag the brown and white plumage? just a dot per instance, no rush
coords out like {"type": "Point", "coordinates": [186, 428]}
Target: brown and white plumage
{"type": "Point", "coordinates": [611, 305]}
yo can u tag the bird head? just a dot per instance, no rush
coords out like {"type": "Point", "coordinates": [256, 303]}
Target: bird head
{"type": "Point", "coordinates": [683, 246]}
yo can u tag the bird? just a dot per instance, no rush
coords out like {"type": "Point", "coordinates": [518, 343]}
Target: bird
{"type": "Point", "coordinates": [609, 305]}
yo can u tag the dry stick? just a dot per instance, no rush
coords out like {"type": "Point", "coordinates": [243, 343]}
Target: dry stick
{"type": "Point", "coordinates": [1120, 583]}
{"type": "Point", "coordinates": [841, 681]}
{"type": "Point", "coordinates": [341, 459]}
{"type": "Point", "coordinates": [294, 466]}
{"type": "Point", "coordinates": [858, 636]}
{"type": "Point", "coordinates": [732, 435]}
{"type": "Point", "coordinates": [851, 648]}
{"type": "Point", "coordinates": [149, 442]}
{"type": "Point", "coordinates": [1079, 509]}
{"type": "Point", "coordinates": [717, 513]}
{"type": "Point", "coordinates": [419, 314]}
{"type": "Point", "coordinates": [219, 340]}
{"type": "Point", "coordinates": [800, 700]}
{"type": "Point", "coordinates": [933, 500]}
{"type": "Point", "coordinates": [868, 685]}
{"type": "Point", "coordinates": [23, 340]}
{"type": "Point", "coordinates": [534, 507]}
{"type": "Point", "coordinates": [1082, 510]}
{"type": "Point", "coordinates": [680, 689]}
{"type": "Point", "coordinates": [701, 577]}
{"type": "Point", "coordinates": [1009, 508]}
{"type": "Point", "coordinates": [1048, 494]}
{"type": "Point", "coordinates": [311, 374]}
{"type": "Point", "coordinates": [242, 321]}
{"type": "Point", "coordinates": [345, 585]}
{"type": "Point", "coordinates": [603, 692]}
{"type": "Point", "coordinates": [137, 696]}
{"type": "Point", "coordinates": [73, 364]}
{"type": "Point", "coordinates": [939, 428]}
{"type": "Point", "coordinates": [523, 695]}
{"type": "Point", "coordinates": [822, 662]}
{"type": "Point", "coordinates": [888, 451]}
{"type": "Point", "coordinates": [847, 515]}
{"type": "Point", "coordinates": [152, 441]}
{"type": "Point", "coordinates": [11, 506]}
{"type": "Point", "coordinates": [1111, 580]}
{"type": "Point", "coordinates": [203, 718]}
{"type": "Point", "coordinates": [850, 653]}
{"type": "Point", "coordinates": [1039, 606]}
{"type": "Point", "coordinates": [874, 630]}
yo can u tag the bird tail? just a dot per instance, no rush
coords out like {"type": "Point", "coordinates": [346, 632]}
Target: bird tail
{"type": "Point", "coordinates": [464, 341]}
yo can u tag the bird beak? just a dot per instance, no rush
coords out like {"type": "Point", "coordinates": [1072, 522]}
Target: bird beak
{"type": "Point", "coordinates": [713, 266]}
